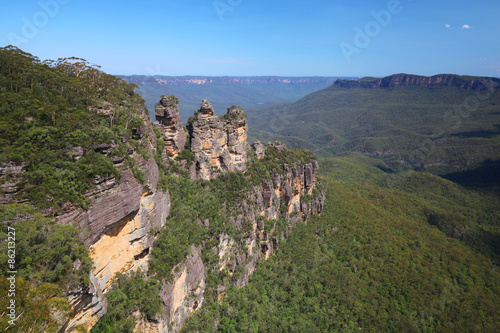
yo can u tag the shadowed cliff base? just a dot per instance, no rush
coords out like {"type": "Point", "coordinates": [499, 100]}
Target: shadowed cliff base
{"type": "Point", "coordinates": [484, 178]}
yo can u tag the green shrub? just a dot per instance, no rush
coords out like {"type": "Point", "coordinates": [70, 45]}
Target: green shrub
{"type": "Point", "coordinates": [46, 251]}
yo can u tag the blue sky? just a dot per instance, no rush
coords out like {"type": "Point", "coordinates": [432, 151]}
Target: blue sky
{"type": "Point", "coordinates": [255, 37]}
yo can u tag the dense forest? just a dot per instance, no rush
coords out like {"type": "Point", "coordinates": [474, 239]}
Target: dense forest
{"type": "Point", "coordinates": [440, 129]}
{"type": "Point", "coordinates": [45, 112]}
{"type": "Point", "coordinates": [407, 252]}
{"type": "Point", "coordinates": [393, 250]}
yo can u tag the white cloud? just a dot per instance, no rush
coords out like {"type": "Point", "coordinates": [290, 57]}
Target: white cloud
{"type": "Point", "coordinates": [466, 26]}
{"type": "Point", "coordinates": [447, 26]}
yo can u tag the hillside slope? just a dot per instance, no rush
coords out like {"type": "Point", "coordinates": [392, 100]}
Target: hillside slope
{"type": "Point", "coordinates": [440, 124]}
{"type": "Point", "coordinates": [376, 260]}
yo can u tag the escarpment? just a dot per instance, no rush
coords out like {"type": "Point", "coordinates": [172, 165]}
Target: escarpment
{"type": "Point", "coordinates": [261, 209]}
{"type": "Point", "coordinates": [120, 224]}
{"type": "Point", "coordinates": [260, 193]}
{"type": "Point", "coordinates": [259, 215]}
{"type": "Point", "coordinates": [431, 82]}
{"type": "Point", "coordinates": [263, 192]}
{"type": "Point", "coordinates": [128, 226]}
{"type": "Point", "coordinates": [185, 294]}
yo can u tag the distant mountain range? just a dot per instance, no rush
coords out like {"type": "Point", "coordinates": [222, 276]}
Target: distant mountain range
{"type": "Point", "coordinates": [436, 81]}
{"type": "Point", "coordinates": [441, 123]}
{"type": "Point", "coordinates": [224, 91]}
{"type": "Point", "coordinates": [204, 80]}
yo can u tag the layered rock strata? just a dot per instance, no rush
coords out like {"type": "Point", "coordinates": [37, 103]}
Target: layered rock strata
{"type": "Point", "coordinates": [259, 149]}
{"type": "Point", "coordinates": [119, 227]}
{"type": "Point", "coordinates": [170, 125]}
{"type": "Point", "coordinates": [208, 142]}
{"type": "Point", "coordinates": [290, 194]}
{"type": "Point", "coordinates": [236, 126]}
{"type": "Point", "coordinates": [218, 145]}
{"type": "Point", "coordinates": [184, 294]}
{"type": "Point", "coordinates": [431, 82]}
{"type": "Point", "coordinates": [124, 216]}
{"type": "Point", "coordinates": [10, 176]}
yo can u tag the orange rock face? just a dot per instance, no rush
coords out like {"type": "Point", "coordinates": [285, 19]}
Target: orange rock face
{"type": "Point", "coordinates": [218, 144]}
{"type": "Point", "coordinates": [170, 125]}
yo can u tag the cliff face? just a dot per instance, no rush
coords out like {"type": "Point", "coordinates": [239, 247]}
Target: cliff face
{"type": "Point", "coordinates": [218, 144]}
{"type": "Point", "coordinates": [289, 195]}
{"type": "Point", "coordinates": [236, 128]}
{"type": "Point", "coordinates": [125, 215]}
{"type": "Point", "coordinates": [185, 293]}
{"type": "Point", "coordinates": [431, 82]}
{"type": "Point", "coordinates": [10, 176]}
{"type": "Point", "coordinates": [170, 125]}
{"type": "Point", "coordinates": [119, 227]}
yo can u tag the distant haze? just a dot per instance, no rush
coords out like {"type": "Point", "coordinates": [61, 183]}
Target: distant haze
{"type": "Point", "coordinates": [224, 91]}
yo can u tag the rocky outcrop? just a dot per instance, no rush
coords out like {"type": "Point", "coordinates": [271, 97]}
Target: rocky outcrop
{"type": "Point", "coordinates": [236, 127]}
{"type": "Point", "coordinates": [88, 305]}
{"type": "Point", "coordinates": [290, 194]}
{"type": "Point", "coordinates": [208, 142]}
{"type": "Point", "coordinates": [218, 145]}
{"type": "Point", "coordinates": [259, 149]}
{"type": "Point", "coordinates": [10, 176]}
{"type": "Point", "coordinates": [170, 125]}
{"type": "Point", "coordinates": [124, 246]}
{"type": "Point", "coordinates": [288, 188]}
{"type": "Point", "coordinates": [124, 215]}
{"type": "Point", "coordinates": [431, 82]}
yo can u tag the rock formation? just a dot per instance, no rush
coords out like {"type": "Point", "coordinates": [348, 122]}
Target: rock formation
{"type": "Point", "coordinates": [10, 177]}
{"type": "Point", "coordinates": [236, 128]}
{"type": "Point", "coordinates": [436, 81]}
{"type": "Point", "coordinates": [208, 141]}
{"type": "Point", "coordinates": [170, 125]}
{"type": "Point", "coordinates": [218, 144]}
{"type": "Point", "coordinates": [124, 216]}
{"type": "Point", "coordinates": [259, 149]}
{"type": "Point", "coordinates": [290, 194]}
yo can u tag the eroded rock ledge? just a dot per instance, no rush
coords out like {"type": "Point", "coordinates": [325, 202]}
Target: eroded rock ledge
{"type": "Point", "coordinates": [170, 125]}
{"type": "Point", "coordinates": [290, 196]}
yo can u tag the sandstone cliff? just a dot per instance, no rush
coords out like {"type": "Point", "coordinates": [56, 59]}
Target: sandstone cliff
{"type": "Point", "coordinates": [119, 226]}
{"type": "Point", "coordinates": [275, 203]}
{"type": "Point", "coordinates": [431, 82]}
{"type": "Point", "coordinates": [185, 293]}
{"type": "Point", "coordinates": [218, 144]}
{"type": "Point", "coordinates": [10, 177]}
{"type": "Point", "coordinates": [170, 125]}
{"type": "Point", "coordinates": [273, 207]}
{"type": "Point", "coordinates": [125, 215]}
